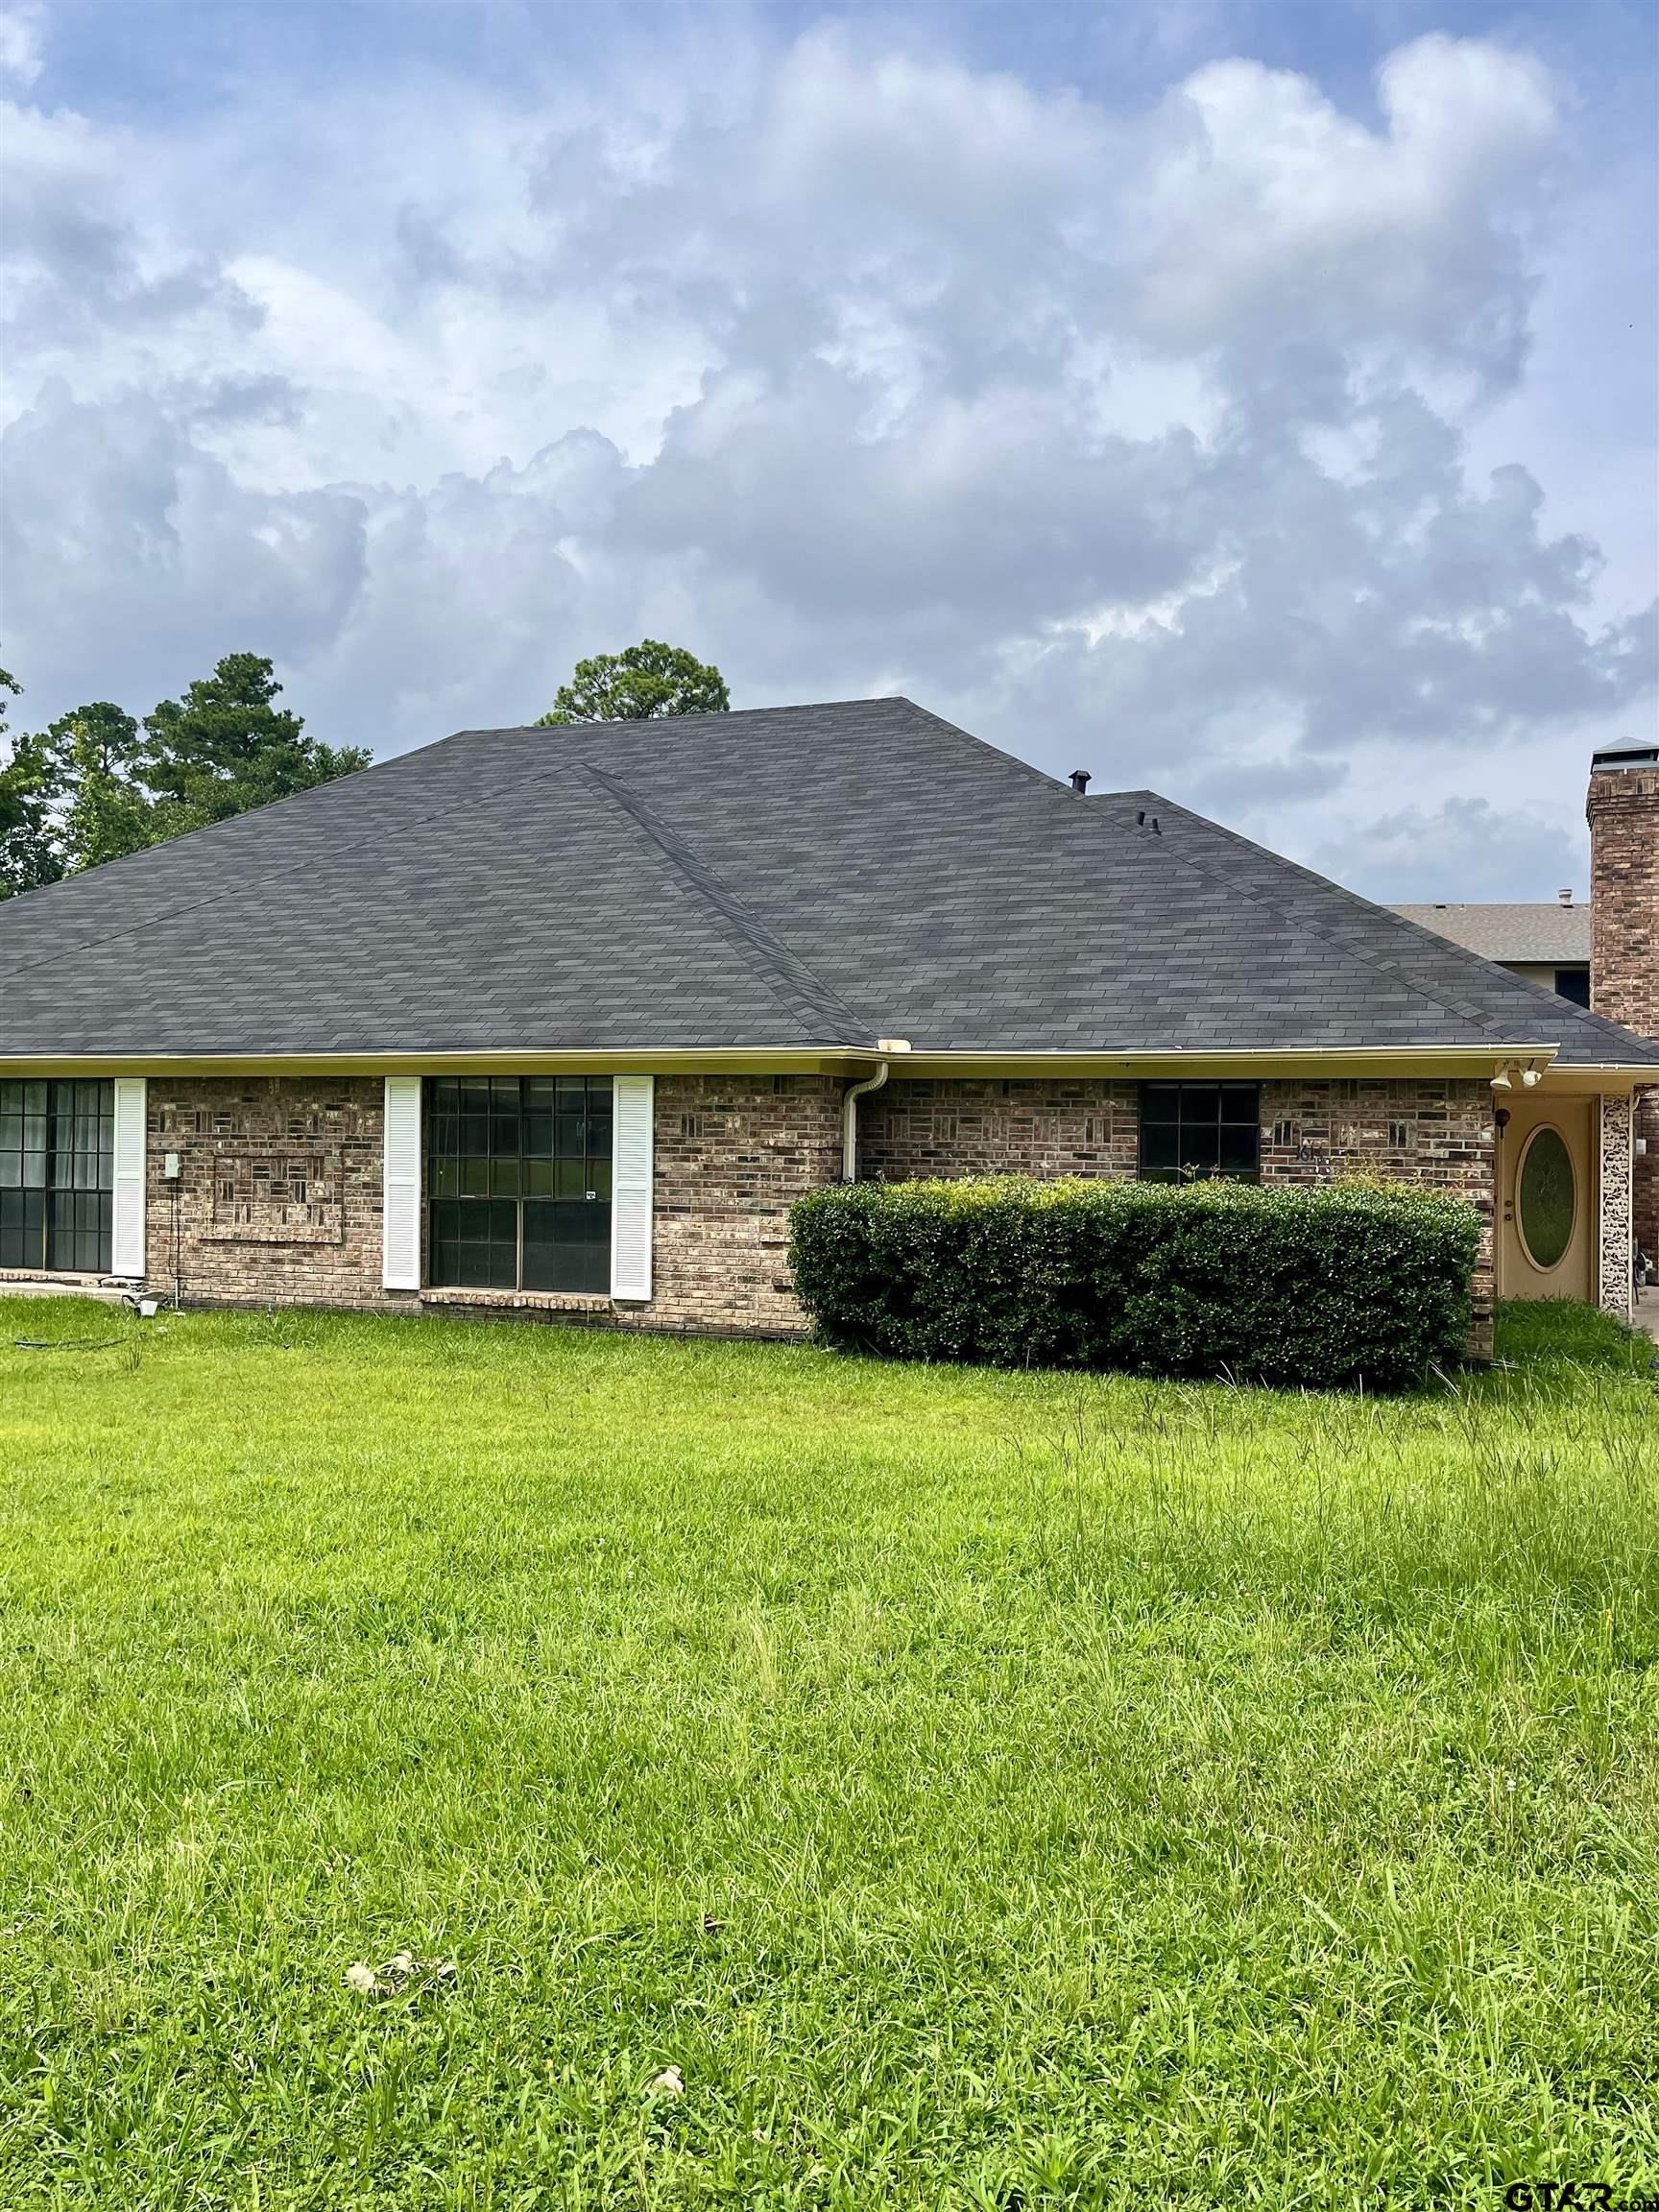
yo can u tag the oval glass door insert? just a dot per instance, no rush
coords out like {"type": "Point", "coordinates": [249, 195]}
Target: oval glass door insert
{"type": "Point", "coordinates": [1545, 1199]}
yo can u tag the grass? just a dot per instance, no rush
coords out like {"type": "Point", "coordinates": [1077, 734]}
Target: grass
{"type": "Point", "coordinates": [987, 1790]}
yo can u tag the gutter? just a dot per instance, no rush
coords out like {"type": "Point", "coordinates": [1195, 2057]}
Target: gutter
{"type": "Point", "coordinates": [850, 1121]}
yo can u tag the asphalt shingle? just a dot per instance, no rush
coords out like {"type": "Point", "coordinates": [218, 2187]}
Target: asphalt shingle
{"type": "Point", "coordinates": [812, 875]}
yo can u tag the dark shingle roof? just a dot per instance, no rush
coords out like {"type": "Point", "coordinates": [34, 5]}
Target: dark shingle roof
{"type": "Point", "coordinates": [795, 876]}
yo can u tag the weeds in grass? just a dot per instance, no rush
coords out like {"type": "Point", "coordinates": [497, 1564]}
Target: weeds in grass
{"type": "Point", "coordinates": [972, 1789]}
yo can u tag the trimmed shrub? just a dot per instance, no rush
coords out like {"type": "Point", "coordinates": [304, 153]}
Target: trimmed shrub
{"type": "Point", "coordinates": [1325, 1287]}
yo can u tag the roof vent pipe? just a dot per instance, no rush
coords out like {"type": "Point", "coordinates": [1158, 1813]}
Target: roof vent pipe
{"type": "Point", "coordinates": [850, 1121]}
{"type": "Point", "coordinates": [1565, 896]}
{"type": "Point", "coordinates": [1079, 781]}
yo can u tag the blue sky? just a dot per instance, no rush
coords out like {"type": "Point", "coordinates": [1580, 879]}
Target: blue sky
{"type": "Point", "coordinates": [1258, 402]}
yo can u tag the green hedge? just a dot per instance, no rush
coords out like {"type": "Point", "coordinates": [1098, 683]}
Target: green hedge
{"type": "Point", "coordinates": [1324, 1287]}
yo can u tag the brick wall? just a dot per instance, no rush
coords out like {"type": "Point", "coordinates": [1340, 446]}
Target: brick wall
{"type": "Point", "coordinates": [1409, 1129]}
{"type": "Point", "coordinates": [279, 1196]}
{"type": "Point", "coordinates": [732, 1155]}
{"type": "Point", "coordinates": [984, 1125]}
{"type": "Point", "coordinates": [1623, 815]}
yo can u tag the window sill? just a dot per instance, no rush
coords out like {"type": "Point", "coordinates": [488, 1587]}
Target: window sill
{"type": "Point", "coordinates": [523, 1301]}
{"type": "Point", "coordinates": [76, 1278]}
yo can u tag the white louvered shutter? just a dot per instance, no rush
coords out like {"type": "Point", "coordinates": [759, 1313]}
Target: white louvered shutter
{"type": "Point", "coordinates": [127, 1207]}
{"type": "Point", "coordinates": [631, 1170]}
{"type": "Point", "coordinates": [401, 1218]}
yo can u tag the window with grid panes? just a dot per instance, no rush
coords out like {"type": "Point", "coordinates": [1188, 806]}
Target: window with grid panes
{"type": "Point", "coordinates": [1192, 1132]}
{"type": "Point", "coordinates": [56, 1175]}
{"type": "Point", "coordinates": [518, 1182]}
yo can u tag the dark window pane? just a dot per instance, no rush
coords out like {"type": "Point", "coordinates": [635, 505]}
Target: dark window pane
{"type": "Point", "coordinates": [1238, 1149]}
{"type": "Point", "coordinates": [1160, 1146]}
{"type": "Point", "coordinates": [1200, 1150]}
{"type": "Point", "coordinates": [567, 1246]}
{"type": "Point", "coordinates": [1573, 983]}
{"type": "Point", "coordinates": [510, 1164]}
{"type": "Point", "coordinates": [1190, 1130]}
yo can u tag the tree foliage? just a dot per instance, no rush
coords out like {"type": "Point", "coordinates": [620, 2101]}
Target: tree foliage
{"type": "Point", "coordinates": [646, 681]}
{"type": "Point", "coordinates": [106, 813]}
{"type": "Point", "coordinates": [226, 746]}
{"type": "Point", "coordinates": [96, 785]}
{"type": "Point", "coordinates": [30, 783]}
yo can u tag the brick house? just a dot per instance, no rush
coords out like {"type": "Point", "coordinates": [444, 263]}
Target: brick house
{"type": "Point", "coordinates": [562, 1020]}
{"type": "Point", "coordinates": [1603, 954]}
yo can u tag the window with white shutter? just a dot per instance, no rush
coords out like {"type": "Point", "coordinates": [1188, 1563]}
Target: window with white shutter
{"type": "Point", "coordinates": [631, 1189]}
{"type": "Point", "coordinates": [401, 1218]}
{"type": "Point", "coordinates": [127, 1212]}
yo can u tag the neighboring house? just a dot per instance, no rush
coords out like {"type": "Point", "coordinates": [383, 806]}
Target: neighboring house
{"type": "Point", "coordinates": [1606, 954]}
{"type": "Point", "coordinates": [566, 1019]}
{"type": "Point", "coordinates": [1546, 943]}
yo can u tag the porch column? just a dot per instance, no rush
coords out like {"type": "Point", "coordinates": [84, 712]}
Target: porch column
{"type": "Point", "coordinates": [1615, 1221]}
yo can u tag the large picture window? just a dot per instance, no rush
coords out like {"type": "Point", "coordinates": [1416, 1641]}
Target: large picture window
{"type": "Point", "coordinates": [56, 1175]}
{"type": "Point", "coordinates": [1195, 1131]}
{"type": "Point", "coordinates": [518, 1182]}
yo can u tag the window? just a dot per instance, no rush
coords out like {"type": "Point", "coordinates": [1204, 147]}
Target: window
{"type": "Point", "coordinates": [1545, 1199]}
{"type": "Point", "coordinates": [1573, 983]}
{"type": "Point", "coordinates": [56, 1175]}
{"type": "Point", "coordinates": [1194, 1130]}
{"type": "Point", "coordinates": [518, 1182]}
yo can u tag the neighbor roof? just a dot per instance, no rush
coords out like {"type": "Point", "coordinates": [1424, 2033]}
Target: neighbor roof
{"type": "Point", "coordinates": [790, 877]}
{"type": "Point", "coordinates": [1548, 934]}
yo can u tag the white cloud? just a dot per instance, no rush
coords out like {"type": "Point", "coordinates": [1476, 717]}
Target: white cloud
{"type": "Point", "coordinates": [20, 56]}
{"type": "Point", "coordinates": [1463, 849]}
{"type": "Point", "coordinates": [1267, 218]}
{"type": "Point", "coordinates": [1142, 438]}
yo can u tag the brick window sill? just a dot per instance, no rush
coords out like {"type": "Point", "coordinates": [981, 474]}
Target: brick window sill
{"type": "Point", "coordinates": [71, 1278]}
{"type": "Point", "coordinates": [522, 1301]}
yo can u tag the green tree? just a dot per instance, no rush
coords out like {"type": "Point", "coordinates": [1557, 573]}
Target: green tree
{"type": "Point", "coordinates": [648, 680]}
{"type": "Point", "coordinates": [226, 746]}
{"type": "Point", "coordinates": [30, 784]}
{"type": "Point", "coordinates": [108, 813]}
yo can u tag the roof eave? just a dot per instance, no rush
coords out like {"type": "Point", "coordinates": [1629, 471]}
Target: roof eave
{"type": "Point", "coordinates": [1444, 1060]}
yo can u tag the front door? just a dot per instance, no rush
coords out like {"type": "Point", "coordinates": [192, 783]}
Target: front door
{"type": "Point", "coordinates": [1548, 1200]}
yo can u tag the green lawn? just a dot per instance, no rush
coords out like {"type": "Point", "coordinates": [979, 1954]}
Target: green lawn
{"type": "Point", "coordinates": [987, 1790]}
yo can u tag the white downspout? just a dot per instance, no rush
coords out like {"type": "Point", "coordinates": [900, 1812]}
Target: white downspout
{"type": "Point", "coordinates": [850, 1121]}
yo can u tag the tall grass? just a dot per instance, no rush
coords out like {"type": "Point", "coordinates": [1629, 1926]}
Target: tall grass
{"type": "Point", "coordinates": [985, 1790]}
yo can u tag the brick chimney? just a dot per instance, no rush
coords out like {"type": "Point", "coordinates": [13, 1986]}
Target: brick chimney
{"type": "Point", "coordinates": [1624, 816]}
